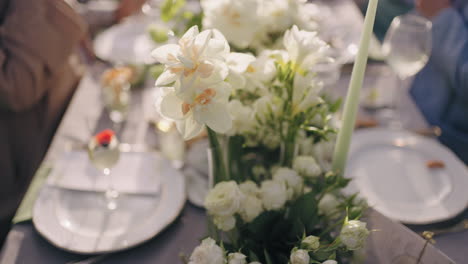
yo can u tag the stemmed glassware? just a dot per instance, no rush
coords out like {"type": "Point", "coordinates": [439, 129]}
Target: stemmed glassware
{"type": "Point", "coordinates": [407, 47]}
{"type": "Point", "coordinates": [116, 94]}
{"type": "Point", "coordinates": [104, 153]}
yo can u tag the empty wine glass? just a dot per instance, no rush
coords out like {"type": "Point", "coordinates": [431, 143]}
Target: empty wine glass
{"type": "Point", "coordinates": [103, 152]}
{"type": "Point", "coordinates": [116, 93]}
{"type": "Point", "coordinates": [407, 47]}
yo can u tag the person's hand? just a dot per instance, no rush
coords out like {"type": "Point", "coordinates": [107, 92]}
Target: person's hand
{"type": "Point", "coordinates": [127, 8]}
{"type": "Point", "coordinates": [431, 8]}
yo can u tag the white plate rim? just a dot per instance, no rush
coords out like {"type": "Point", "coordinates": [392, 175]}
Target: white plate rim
{"type": "Point", "coordinates": [176, 212]}
{"type": "Point", "coordinates": [352, 188]}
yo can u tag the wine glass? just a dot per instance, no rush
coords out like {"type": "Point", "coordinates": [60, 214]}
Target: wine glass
{"type": "Point", "coordinates": [103, 152]}
{"type": "Point", "coordinates": [407, 47]}
{"type": "Point", "coordinates": [116, 94]}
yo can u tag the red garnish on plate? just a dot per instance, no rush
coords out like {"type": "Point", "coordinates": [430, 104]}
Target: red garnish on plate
{"type": "Point", "coordinates": [104, 137]}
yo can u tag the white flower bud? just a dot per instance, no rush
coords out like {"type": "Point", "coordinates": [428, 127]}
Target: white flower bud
{"type": "Point", "coordinates": [291, 179]}
{"type": "Point", "coordinates": [237, 258]}
{"type": "Point", "coordinates": [306, 166]}
{"type": "Point", "coordinates": [311, 243]}
{"type": "Point", "coordinates": [207, 252]}
{"type": "Point", "coordinates": [354, 234]}
{"type": "Point", "coordinates": [224, 223]}
{"type": "Point", "coordinates": [300, 256]}
{"type": "Point", "coordinates": [328, 205]}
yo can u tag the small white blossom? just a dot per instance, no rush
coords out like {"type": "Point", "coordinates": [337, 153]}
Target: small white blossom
{"type": "Point", "coordinates": [300, 256]}
{"type": "Point", "coordinates": [274, 194]}
{"type": "Point", "coordinates": [291, 179]}
{"type": "Point", "coordinates": [354, 234]}
{"type": "Point", "coordinates": [323, 153]}
{"type": "Point", "coordinates": [306, 166]}
{"type": "Point", "coordinates": [225, 199]}
{"type": "Point", "coordinates": [328, 205]}
{"type": "Point", "coordinates": [207, 253]}
{"type": "Point", "coordinates": [311, 243]}
{"type": "Point", "coordinates": [237, 258]}
{"type": "Point", "coordinates": [251, 208]}
{"type": "Point", "coordinates": [225, 223]}
{"type": "Point", "coordinates": [243, 120]}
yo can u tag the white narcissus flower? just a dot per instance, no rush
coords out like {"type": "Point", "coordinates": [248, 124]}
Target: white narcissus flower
{"type": "Point", "coordinates": [291, 179]}
{"type": "Point", "coordinates": [243, 120]}
{"type": "Point", "coordinates": [305, 48]}
{"type": "Point", "coordinates": [251, 208]}
{"type": "Point", "coordinates": [311, 242]}
{"type": "Point", "coordinates": [197, 107]}
{"type": "Point", "coordinates": [237, 258]}
{"type": "Point", "coordinates": [306, 92]}
{"type": "Point", "coordinates": [330, 262]}
{"type": "Point", "coordinates": [328, 205]}
{"type": "Point", "coordinates": [299, 256]}
{"type": "Point", "coordinates": [237, 20]}
{"type": "Point", "coordinates": [225, 223]}
{"type": "Point", "coordinates": [196, 55]}
{"type": "Point", "coordinates": [274, 194]}
{"type": "Point", "coordinates": [238, 64]}
{"type": "Point", "coordinates": [207, 253]}
{"type": "Point", "coordinates": [249, 188]}
{"type": "Point", "coordinates": [306, 166]}
{"type": "Point", "coordinates": [261, 71]}
{"type": "Point", "coordinates": [308, 17]}
{"type": "Point", "coordinates": [354, 234]}
{"type": "Point", "coordinates": [225, 199]}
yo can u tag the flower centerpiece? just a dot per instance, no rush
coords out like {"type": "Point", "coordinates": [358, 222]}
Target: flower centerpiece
{"type": "Point", "coordinates": [271, 130]}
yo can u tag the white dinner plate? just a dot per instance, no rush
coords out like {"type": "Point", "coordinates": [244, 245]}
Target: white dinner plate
{"type": "Point", "coordinates": [388, 168]}
{"type": "Point", "coordinates": [126, 42]}
{"type": "Point", "coordinates": [77, 220]}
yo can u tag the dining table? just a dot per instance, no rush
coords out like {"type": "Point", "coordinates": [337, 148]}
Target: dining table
{"type": "Point", "coordinates": [86, 116]}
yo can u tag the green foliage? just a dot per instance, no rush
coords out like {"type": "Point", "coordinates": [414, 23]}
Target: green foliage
{"type": "Point", "coordinates": [170, 8]}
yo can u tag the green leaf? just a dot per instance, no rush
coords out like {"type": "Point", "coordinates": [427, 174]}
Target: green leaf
{"type": "Point", "coordinates": [261, 226]}
{"type": "Point", "coordinates": [170, 8]}
{"type": "Point", "coordinates": [305, 210]}
{"type": "Point", "coordinates": [336, 105]}
{"type": "Point", "coordinates": [268, 258]}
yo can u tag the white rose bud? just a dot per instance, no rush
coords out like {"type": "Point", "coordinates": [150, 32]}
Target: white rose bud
{"type": "Point", "coordinates": [237, 258]}
{"type": "Point", "coordinates": [330, 261]}
{"type": "Point", "coordinates": [291, 179]}
{"type": "Point", "coordinates": [274, 194]}
{"type": "Point", "coordinates": [311, 242]}
{"type": "Point", "coordinates": [249, 188]}
{"type": "Point", "coordinates": [354, 234]}
{"type": "Point", "coordinates": [251, 208]}
{"type": "Point", "coordinates": [328, 204]}
{"type": "Point", "coordinates": [225, 199]}
{"type": "Point", "coordinates": [207, 252]}
{"type": "Point", "coordinates": [306, 166]}
{"type": "Point", "coordinates": [300, 257]}
{"type": "Point", "coordinates": [224, 223]}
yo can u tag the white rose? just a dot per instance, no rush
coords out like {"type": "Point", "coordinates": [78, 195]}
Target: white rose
{"type": "Point", "coordinates": [249, 188]}
{"type": "Point", "coordinates": [207, 253]}
{"type": "Point", "coordinates": [311, 242]}
{"type": "Point", "coordinates": [330, 262]}
{"type": "Point", "coordinates": [251, 208]}
{"type": "Point", "coordinates": [306, 166]}
{"type": "Point", "coordinates": [300, 257]}
{"type": "Point", "coordinates": [224, 223]}
{"type": "Point", "coordinates": [274, 194]}
{"type": "Point", "coordinates": [224, 199]}
{"type": "Point", "coordinates": [237, 258]}
{"type": "Point", "coordinates": [323, 153]}
{"type": "Point", "coordinates": [328, 204]}
{"type": "Point", "coordinates": [291, 179]}
{"type": "Point", "coordinates": [354, 234]}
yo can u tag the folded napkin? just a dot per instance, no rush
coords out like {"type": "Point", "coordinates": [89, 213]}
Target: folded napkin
{"type": "Point", "coordinates": [135, 172]}
{"type": "Point", "coordinates": [24, 212]}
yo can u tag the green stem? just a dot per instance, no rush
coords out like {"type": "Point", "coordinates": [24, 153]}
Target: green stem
{"type": "Point", "coordinates": [330, 228]}
{"type": "Point", "coordinates": [219, 168]}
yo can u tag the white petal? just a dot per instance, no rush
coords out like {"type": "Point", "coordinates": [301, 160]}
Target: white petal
{"type": "Point", "coordinates": [215, 115]}
{"type": "Point", "coordinates": [236, 80]}
{"type": "Point", "coordinates": [166, 78]}
{"type": "Point", "coordinates": [239, 61]}
{"type": "Point", "coordinates": [163, 53]}
{"type": "Point", "coordinates": [171, 106]}
{"type": "Point", "coordinates": [189, 128]}
{"type": "Point", "coordinates": [191, 33]}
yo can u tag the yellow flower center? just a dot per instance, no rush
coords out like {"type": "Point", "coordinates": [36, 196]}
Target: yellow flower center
{"type": "Point", "coordinates": [202, 99]}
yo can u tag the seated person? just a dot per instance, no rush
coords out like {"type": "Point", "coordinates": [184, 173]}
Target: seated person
{"type": "Point", "coordinates": [441, 89]}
